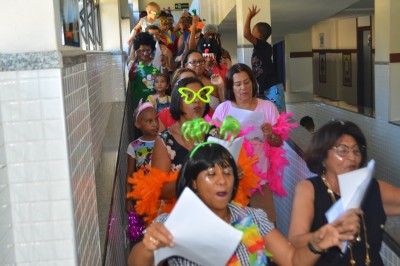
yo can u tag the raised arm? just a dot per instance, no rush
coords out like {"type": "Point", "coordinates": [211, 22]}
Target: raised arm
{"type": "Point", "coordinates": [247, 30]}
{"type": "Point", "coordinates": [192, 37]}
{"type": "Point", "coordinates": [134, 31]}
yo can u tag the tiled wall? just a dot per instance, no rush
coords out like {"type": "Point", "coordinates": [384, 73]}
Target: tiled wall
{"type": "Point", "coordinates": [37, 225]}
{"type": "Point", "coordinates": [48, 121]}
{"type": "Point", "coordinates": [81, 161]}
{"type": "Point", "coordinates": [7, 254]}
{"type": "Point", "coordinates": [295, 172]}
{"type": "Point", "coordinates": [100, 98]}
{"type": "Point", "coordinates": [118, 248]}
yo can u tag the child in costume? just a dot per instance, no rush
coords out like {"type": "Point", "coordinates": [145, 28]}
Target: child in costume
{"type": "Point", "coordinates": [139, 159]}
{"type": "Point", "coordinates": [160, 99]}
{"type": "Point", "coordinates": [142, 72]}
{"type": "Point", "coordinates": [140, 150]}
{"type": "Point", "coordinates": [153, 11]}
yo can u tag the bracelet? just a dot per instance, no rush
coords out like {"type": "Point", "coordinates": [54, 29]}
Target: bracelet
{"type": "Point", "coordinates": [314, 250]}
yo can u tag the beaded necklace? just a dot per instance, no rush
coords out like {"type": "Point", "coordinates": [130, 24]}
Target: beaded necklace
{"type": "Point", "coordinates": [252, 240]}
{"type": "Point", "coordinates": [149, 83]}
{"type": "Point", "coordinates": [358, 239]}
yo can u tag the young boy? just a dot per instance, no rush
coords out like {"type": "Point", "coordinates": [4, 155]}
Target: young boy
{"type": "Point", "coordinates": [261, 61]}
{"type": "Point", "coordinates": [153, 11]}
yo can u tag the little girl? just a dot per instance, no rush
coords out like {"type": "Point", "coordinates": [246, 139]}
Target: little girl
{"type": "Point", "coordinates": [140, 150]}
{"type": "Point", "coordinates": [160, 100]}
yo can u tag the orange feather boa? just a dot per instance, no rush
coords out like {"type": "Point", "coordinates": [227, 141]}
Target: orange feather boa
{"type": "Point", "coordinates": [147, 188]}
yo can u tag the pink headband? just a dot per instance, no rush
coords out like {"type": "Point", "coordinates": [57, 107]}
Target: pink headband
{"type": "Point", "coordinates": [142, 106]}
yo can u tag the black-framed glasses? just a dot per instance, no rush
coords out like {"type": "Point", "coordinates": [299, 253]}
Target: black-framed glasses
{"type": "Point", "coordinates": [197, 62]}
{"type": "Point", "coordinates": [143, 51]}
{"type": "Point", "coordinates": [343, 150]}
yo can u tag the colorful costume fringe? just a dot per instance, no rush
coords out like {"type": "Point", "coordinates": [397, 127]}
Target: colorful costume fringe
{"type": "Point", "coordinates": [275, 155]}
{"type": "Point", "coordinates": [147, 188]}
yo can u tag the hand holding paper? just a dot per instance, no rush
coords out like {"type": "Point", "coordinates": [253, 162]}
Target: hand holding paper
{"type": "Point", "coordinates": [198, 231]}
{"type": "Point", "coordinates": [353, 186]}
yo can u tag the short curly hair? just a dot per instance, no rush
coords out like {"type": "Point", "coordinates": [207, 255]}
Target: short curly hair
{"type": "Point", "coordinates": [144, 38]}
{"type": "Point", "coordinates": [326, 137]}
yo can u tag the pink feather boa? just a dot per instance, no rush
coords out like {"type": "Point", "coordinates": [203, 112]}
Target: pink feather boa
{"type": "Point", "coordinates": [275, 155]}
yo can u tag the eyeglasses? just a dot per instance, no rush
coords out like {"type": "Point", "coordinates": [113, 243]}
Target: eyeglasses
{"type": "Point", "coordinates": [143, 51]}
{"type": "Point", "coordinates": [343, 150]}
{"type": "Point", "coordinates": [197, 62]}
{"type": "Point", "coordinates": [155, 13]}
{"type": "Point", "coordinates": [164, 20]}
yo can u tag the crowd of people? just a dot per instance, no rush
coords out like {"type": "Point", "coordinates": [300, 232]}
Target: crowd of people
{"type": "Point", "coordinates": [185, 89]}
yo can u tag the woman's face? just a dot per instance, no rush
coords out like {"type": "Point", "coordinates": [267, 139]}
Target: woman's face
{"type": "Point", "coordinates": [196, 63]}
{"type": "Point", "coordinates": [344, 157]}
{"type": "Point", "coordinates": [144, 53]}
{"type": "Point", "coordinates": [214, 186]}
{"type": "Point", "coordinates": [242, 87]}
{"type": "Point", "coordinates": [194, 109]}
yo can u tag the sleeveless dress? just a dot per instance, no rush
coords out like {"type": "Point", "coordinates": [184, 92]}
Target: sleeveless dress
{"type": "Point", "coordinates": [177, 153]}
{"type": "Point", "coordinates": [374, 217]}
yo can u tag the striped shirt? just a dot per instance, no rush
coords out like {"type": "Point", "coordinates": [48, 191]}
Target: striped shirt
{"type": "Point", "coordinates": [259, 218]}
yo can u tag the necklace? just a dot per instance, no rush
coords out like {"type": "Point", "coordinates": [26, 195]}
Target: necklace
{"type": "Point", "coordinates": [251, 239]}
{"type": "Point", "coordinates": [147, 79]}
{"type": "Point", "coordinates": [358, 239]}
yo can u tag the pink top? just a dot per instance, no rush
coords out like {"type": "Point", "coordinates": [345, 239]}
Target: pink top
{"type": "Point", "coordinates": [269, 110]}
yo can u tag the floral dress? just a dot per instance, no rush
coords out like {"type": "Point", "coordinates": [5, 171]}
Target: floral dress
{"type": "Point", "coordinates": [177, 153]}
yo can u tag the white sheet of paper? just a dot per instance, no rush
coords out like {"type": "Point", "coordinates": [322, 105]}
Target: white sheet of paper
{"type": "Point", "coordinates": [199, 235]}
{"type": "Point", "coordinates": [353, 186]}
{"type": "Point", "coordinates": [248, 118]}
{"type": "Point", "coordinates": [232, 146]}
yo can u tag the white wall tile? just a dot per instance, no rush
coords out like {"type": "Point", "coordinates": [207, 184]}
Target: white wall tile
{"type": "Point", "coordinates": [59, 190]}
{"type": "Point", "coordinates": [20, 212]}
{"type": "Point", "coordinates": [28, 89]}
{"type": "Point", "coordinates": [51, 108]}
{"type": "Point", "coordinates": [60, 210]}
{"type": "Point", "coordinates": [53, 129]}
{"type": "Point", "coordinates": [30, 110]}
{"type": "Point", "coordinates": [50, 88]}
{"type": "Point", "coordinates": [19, 193]}
{"type": "Point", "coordinates": [8, 90]}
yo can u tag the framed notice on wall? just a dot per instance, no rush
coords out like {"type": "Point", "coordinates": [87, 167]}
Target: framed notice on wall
{"type": "Point", "coordinates": [346, 65]}
{"type": "Point", "coordinates": [322, 67]}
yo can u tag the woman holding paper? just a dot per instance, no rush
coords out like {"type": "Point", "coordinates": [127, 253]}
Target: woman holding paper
{"type": "Point", "coordinates": [211, 173]}
{"type": "Point", "coordinates": [337, 148]}
{"type": "Point", "coordinates": [240, 92]}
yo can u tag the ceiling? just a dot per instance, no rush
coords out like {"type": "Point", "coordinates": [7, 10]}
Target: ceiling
{"type": "Point", "coordinates": [292, 16]}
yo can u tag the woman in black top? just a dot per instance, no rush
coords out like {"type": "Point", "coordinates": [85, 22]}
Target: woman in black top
{"type": "Point", "coordinates": [337, 148]}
